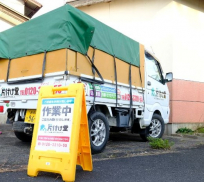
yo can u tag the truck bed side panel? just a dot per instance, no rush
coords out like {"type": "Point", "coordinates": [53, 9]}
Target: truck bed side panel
{"type": "Point", "coordinates": [3, 69]}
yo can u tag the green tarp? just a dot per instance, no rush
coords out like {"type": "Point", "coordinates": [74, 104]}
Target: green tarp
{"type": "Point", "coordinates": [66, 27]}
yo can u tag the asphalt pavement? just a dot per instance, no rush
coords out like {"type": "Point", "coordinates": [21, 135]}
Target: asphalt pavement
{"type": "Point", "coordinates": [126, 158]}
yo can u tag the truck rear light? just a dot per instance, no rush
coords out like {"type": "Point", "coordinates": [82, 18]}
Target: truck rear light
{"type": "Point", "coordinates": [6, 101]}
{"type": "Point", "coordinates": [1, 109]}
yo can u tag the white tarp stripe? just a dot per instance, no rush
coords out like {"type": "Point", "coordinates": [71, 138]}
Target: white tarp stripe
{"type": "Point", "coordinates": [108, 81]}
{"type": "Point", "coordinates": [55, 73]}
{"type": "Point", "coordinates": [25, 78]}
{"type": "Point", "coordinates": [35, 76]}
{"type": "Point", "coordinates": [140, 88]}
{"type": "Point", "coordinates": [126, 85]}
{"type": "Point", "coordinates": [97, 78]}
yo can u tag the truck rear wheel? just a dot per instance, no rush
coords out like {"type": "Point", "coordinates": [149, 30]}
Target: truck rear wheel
{"type": "Point", "coordinates": [23, 137]}
{"type": "Point", "coordinates": [99, 132]}
{"type": "Point", "coordinates": [155, 129]}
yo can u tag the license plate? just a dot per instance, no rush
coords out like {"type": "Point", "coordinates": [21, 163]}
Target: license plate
{"type": "Point", "coordinates": [30, 116]}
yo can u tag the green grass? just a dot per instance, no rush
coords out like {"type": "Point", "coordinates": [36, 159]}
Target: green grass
{"type": "Point", "coordinates": [185, 131]}
{"type": "Point", "coordinates": [200, 130]}
{"type": "Point", "coordinates": [158, 143]}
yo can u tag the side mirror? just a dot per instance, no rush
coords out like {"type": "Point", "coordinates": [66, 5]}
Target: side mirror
{"type": "Point", "coordinates": [169, 77]}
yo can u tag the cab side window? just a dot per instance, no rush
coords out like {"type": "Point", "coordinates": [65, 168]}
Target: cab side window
{"type": "Point", "coordinates": [153, 68]}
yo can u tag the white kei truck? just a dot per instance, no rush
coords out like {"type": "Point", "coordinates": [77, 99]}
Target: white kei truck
{"type": "Point", "coordinates": [124, 85]}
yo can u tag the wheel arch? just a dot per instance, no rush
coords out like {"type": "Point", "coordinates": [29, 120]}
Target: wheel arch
{"type": "Point", "coordinates": [157, 112]}
{"type": "Point", "coordinates": [156, 127]}
{"type": "Point", "coordinates": [101, 108]}
{"type": "Point", "coordinates": [150, 110]}
{"type": "Point", "coordinates": [157, 109]}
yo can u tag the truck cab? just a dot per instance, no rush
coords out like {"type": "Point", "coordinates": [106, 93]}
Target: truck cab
{"type": "Point", "coordinates": [156, 107]}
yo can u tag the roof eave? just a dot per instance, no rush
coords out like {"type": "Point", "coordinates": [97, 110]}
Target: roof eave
{"type": "Point", "coordinates": [82, 3]}
{"type": "Point", "coordinates": [9, 12]}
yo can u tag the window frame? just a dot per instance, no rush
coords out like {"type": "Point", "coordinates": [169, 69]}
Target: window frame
{"type": "Point", "coordinates": [158, 65]}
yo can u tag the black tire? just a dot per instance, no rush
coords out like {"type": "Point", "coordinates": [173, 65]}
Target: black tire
{"type": "Point", "coordinates": [148, 133]}
{"type": "Point", "coordinates": [23, 137]}
{"type": "Point", "coordinates": [103, 134]}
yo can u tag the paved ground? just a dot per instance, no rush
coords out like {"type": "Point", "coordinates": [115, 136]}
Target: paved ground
{"type": "Point", "coordinates": [121, 149]}
{"type": "Point", "coordinates": [184, 166]}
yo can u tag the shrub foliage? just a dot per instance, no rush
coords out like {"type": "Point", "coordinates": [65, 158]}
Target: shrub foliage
{"type": "Point", "coordinates": [158, 143]}
{"type": "Point", "coordinates": [184, 130]}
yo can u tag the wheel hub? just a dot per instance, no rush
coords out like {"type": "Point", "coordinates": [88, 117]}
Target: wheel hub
{"type": "Point", "coordinates": [98, 132]}
{"type": "Point", "coordinates": [155, 128]}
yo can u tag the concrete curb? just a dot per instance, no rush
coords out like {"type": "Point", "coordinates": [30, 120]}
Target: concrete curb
{"type": "Point", "coordinates": [200, 134]}
{"type": "Point", "coordinates": [177, 135]}
{"type": "Point", "coordinates": [190, 136]}
{"type": "Point", "coordinates": [185, 136]}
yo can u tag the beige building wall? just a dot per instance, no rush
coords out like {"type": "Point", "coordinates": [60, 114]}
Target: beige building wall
{"type": "Point", "coordinates": [173, 31]}
{"type": "Point", "coordinates": [167, 28]}
{"type": "Point", "coordinates": [139, 21]}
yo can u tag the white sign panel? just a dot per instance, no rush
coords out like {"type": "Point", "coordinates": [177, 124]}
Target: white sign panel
{"type": "Point", "coordinates": [55, 125]}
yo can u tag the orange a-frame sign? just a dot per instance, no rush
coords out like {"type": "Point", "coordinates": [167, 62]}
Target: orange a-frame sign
{"type": "Point", "coordinates": [61, 133]}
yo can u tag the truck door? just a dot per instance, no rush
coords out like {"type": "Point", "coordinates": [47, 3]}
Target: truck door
{"type": "Point", "coordinates": [157, 95]}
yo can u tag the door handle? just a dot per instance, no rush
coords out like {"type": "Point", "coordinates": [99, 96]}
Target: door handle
{"type": "Point", "coordinates": [148, 83]}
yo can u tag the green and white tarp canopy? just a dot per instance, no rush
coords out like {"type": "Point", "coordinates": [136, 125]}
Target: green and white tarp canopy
{"type": "Point", "coordinates": [66, 27]}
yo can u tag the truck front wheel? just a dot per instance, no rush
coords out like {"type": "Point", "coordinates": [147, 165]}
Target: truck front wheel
{"type": "Point", "coordinates": [23, 137]}
{"type": "Point", "coordinates": [155, 129]}
{"type": "Point", "coordinates": [99, 131]}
